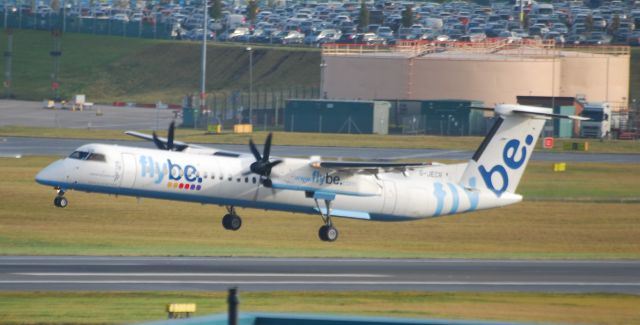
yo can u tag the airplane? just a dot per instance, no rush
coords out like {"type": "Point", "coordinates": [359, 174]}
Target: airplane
{"type": "Point", "coordinates": [377, 191]}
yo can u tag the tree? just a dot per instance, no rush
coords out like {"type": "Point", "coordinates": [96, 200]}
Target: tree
{"type": "Point", "coordinates": [588, 23]}
{"type": "Point", "coordinates": [121, 4]}
{"type": "Point", "coordinates": [407, 16]}
{"type": "Point", "coordinates": [215, 11]}
{"type": "Point", "coordinates": [615, 24]}
{"type": "Point", "coordinates": [252, 11]}
{"type": "Point", "coordinates": [364, 16]}
{"type": "Point", "coordinates": [55, 5]}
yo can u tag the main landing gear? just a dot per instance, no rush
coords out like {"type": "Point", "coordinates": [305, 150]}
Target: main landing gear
{"type": "Point", "coordinates": [231, 221]}
{"type": "Point", "coordinates": [327, 232]}
{"type": "Point", "coordinates": [60, 201]}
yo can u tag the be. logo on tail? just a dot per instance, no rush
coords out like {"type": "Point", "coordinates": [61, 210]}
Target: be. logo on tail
{"type": "Point", "coordinates": [514, 155]}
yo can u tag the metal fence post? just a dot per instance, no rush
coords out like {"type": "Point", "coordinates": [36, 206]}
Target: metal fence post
{"type": "Point", "coordinates": [233, 302]}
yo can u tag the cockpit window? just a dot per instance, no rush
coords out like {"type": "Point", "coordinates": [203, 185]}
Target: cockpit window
{"type": "Point", "coordinates": [79, 155]}
{"type": "Point", "coordinates": [96, 157]}
{"type": "Point", "coordinates": [92, 156]}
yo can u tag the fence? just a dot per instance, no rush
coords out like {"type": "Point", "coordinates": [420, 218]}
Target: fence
{"type": "Point", "coordinates": [87, 25]}
{"type": "Point", "coordinates": [266, 105]}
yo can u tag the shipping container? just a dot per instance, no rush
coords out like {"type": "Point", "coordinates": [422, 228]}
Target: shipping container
{"type": "Point", "coordinates": [337, 116]}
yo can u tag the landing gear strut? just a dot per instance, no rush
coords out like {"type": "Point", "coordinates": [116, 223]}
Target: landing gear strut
{"type": "Point", "coordinates": [327, 232]}
{"type": "Point", "coordinates": [231, 221]}
{"type": "Point", "coordinates": [60, 201]}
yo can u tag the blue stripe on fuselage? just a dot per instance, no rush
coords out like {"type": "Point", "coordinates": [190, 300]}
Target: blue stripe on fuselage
{"type": "Point", "coordinates": [199, 198]}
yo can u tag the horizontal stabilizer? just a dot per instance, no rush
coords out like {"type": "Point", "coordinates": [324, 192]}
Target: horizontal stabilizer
{"type": "Point", "coordinates": [571, 117]}
{"type": "Point", "coordinates": [529, 110]}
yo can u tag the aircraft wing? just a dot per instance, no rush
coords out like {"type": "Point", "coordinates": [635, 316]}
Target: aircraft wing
{"type": "Point", "coordinates": [178, 144]}
{"type": "Point", "coordinates": [367, 167]}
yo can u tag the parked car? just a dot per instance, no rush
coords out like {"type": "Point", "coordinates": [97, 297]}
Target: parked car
{"type": "Point", "coordinates": [293, 37]}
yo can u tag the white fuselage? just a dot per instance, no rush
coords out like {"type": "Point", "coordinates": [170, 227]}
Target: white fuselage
{"type": "Point", "coordinates": [208, 178]}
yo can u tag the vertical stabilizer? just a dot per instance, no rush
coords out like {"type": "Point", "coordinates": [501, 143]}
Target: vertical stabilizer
{"type": "Point", "coordinates": [501, 159]}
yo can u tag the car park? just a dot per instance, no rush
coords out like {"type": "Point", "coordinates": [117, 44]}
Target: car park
{"type": "Point", "coordinates": [573, 21]}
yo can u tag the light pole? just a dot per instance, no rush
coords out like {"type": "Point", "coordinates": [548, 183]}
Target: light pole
{"type": "Point", "coordinates": [323, 94]}
{"type": "Point", "coordinates": [250, 50]}
{"type": "Point", "coordinates": [522, 14]}
{"type": "Point", "coordinates": [204, 64]}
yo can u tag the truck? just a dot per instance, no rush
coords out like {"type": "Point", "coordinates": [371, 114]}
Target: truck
{"type": "Point", "coordinates": [599, 125]}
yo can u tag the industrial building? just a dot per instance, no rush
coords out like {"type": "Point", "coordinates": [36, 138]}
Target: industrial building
{"type": "Point", "coordinates": [494, 71]}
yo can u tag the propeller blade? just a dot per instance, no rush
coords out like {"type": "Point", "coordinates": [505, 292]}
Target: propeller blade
{"type": "Point", "coordinates": [158, 143]}
{"type": "Point", "coordinates": [267, 148]}
{"type": "Point", "coordinates": [254, 150]}
{"type": "Point", "coordinates": [170, 135]}
{"type": "Point", "coordinates": [273, 164]}
{"type": "Point", "coordinates": [255, 195]}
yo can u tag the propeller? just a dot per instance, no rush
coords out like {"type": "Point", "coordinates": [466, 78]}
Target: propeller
{"type": "Point", "coordinates": [169, 144]}
{"type": "Point", "coordinates": [262, 166]}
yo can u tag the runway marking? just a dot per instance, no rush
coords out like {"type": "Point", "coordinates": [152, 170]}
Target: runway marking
{"type": "Point", "coordinates": [149, 259]}
{"type": "Point", "coordinates": [414, 283]}
{"type": "Point", "coordinates": [35, 263]}
{"type": "Point", "coordinates": [293, 275]}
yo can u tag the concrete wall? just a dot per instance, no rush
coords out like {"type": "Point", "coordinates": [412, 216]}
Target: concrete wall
{"type": "Point", "coordinates": [356, 77]}
{"type": "Point", "coordinates": [600, 78]}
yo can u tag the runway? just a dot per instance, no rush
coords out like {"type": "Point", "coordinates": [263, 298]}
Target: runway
{"type": "Point", "coordinates": [14, 146]}
{"type": "Point", "coordinates": [68, 273]}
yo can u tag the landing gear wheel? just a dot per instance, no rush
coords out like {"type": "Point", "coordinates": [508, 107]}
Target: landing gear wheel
{"type": "Point", "coordinates": [60, 202]}
{"type": "Point", "coordinates": [231, 222]}
{"type": "Point", "coordinates": [328, 233]}
{"type": "Point", "coordinates": [322, 233]}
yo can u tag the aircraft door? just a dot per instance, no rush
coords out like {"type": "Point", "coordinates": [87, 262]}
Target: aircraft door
{"type": "Point", "coordinates": [127, 170]}
{"type": "Point", "coordinates": [389, 196]}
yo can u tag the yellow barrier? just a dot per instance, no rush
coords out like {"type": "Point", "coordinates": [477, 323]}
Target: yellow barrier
{"type": "Point", "coordinates": [242, 128]}
{"type": "Point", "coordinates": [559, 167]}
{"type": "Point", "coordinates": [576, 146]}
{"type": "Point", "coordinates": [181, 310]}
{"type": "Point", "coordinates": [214, 128]}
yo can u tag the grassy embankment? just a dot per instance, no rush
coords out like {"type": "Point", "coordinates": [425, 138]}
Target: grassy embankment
{"type": "Point", "coordinates": [109, 69]}
{"type": "Point", "coordinates": [105, 308]}
{"type": "Point", "coordinates": [125, 69]}
{"type": "Point", "coordinates": [100, 225]}
{"type": "Point", "coordinates": [316, 139]}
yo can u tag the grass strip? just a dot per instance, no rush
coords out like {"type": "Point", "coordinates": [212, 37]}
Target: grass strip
{"type": "Point", "coordinates": [129, 307]}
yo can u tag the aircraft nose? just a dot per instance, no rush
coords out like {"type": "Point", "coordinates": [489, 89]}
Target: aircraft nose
{"type": "Point", "coordinates": [53, 175]}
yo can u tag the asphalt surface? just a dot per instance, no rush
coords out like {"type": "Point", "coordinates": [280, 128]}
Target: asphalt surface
{"type": "Point", "coordinates": [14, 112]}
{"type": "Point", "coordinates": [14, 146]}
{"type": "Point", "coordinates": [37, 273]}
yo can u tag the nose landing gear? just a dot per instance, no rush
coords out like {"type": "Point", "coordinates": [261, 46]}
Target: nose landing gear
{"type": "Point", "coordinates": [60, 201]}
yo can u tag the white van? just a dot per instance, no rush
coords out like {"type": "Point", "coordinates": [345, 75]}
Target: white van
{"type": "Point", "coordinates": [233, 21]}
